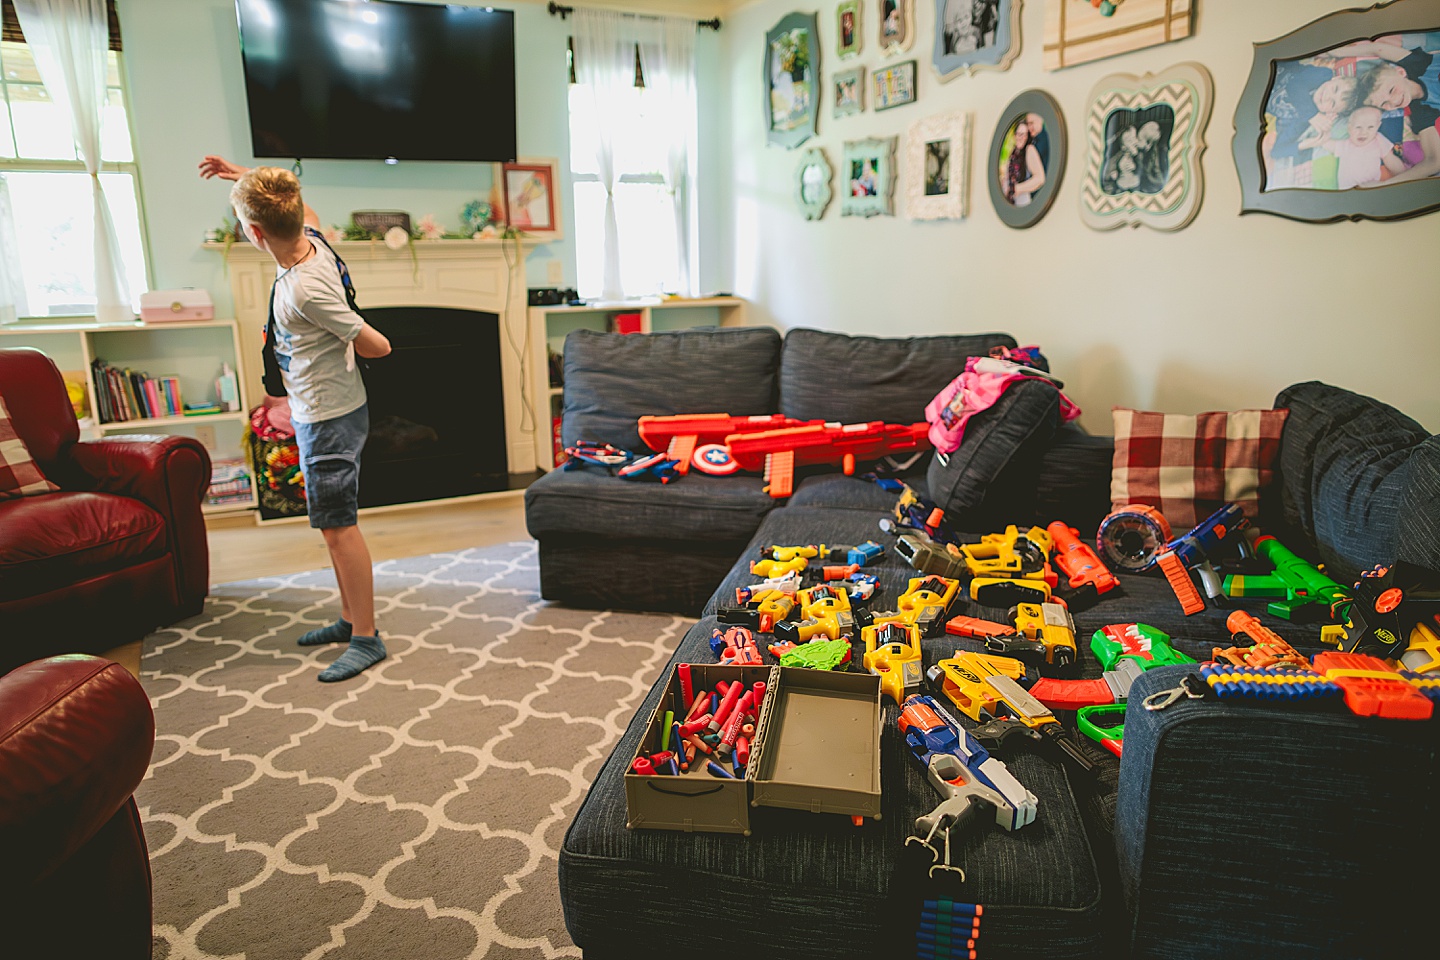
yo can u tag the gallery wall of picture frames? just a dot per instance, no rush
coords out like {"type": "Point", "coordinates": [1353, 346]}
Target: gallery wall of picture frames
{"type": "Point", "coordinates": [1339, 119]}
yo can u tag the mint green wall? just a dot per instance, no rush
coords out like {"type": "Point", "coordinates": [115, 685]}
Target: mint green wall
{"type": "Point", "coordinates": [187, 98]}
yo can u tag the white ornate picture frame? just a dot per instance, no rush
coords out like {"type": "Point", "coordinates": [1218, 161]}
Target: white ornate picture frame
{"type": "Point", "coordinates": [971, 36]}
{"type": "Point", "coordinates": [937, 168]}
{"type": "Point", "coordinates": [812, 183]}
{"type": "Point", "coordinates": [1143, 141]}
{"type": "Point", "coordinates": [867, 178]}
{"type": "Point", "coordinates": [896, 28]}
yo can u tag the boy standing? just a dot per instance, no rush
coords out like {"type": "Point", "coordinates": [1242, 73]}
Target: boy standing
{"type": "Point", "coordinates": [316, 338]}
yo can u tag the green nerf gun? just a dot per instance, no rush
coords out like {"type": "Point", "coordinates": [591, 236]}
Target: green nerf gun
{"type": "Point", "coordinates": [1140, 642]}
{"type": "Point", "coordinates": [1294, 581]}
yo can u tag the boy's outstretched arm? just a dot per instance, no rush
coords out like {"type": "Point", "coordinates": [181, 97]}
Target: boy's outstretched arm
{"type": "Point", "coordinates": [216, 166]}
{"type": "Point", "coordinates": [1429, 166]}
{"type": "Point", "coordinates": [371, 343]}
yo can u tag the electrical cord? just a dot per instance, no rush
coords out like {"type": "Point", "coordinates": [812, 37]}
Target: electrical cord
{"type": "Point", "coordinates": [522, 351]}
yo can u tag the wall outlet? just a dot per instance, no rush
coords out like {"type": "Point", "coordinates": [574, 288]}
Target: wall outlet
{"type": "Point", "coordinates": [555, 272]}
{"type": "Point", "coordinates": [206, 435]}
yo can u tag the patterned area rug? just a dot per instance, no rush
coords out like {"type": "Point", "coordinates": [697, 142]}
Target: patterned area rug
{"type": "Point", "coordinates": [413, 812]}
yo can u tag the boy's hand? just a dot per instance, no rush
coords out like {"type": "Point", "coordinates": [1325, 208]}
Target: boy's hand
{"type": "Point", "coordinates": [213, 166]}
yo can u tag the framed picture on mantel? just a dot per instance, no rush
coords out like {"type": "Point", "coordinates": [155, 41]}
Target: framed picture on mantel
{"type": "Point", "coordinates": [528, 188]}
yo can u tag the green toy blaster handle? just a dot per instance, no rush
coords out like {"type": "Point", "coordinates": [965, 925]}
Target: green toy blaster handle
{"type": "Point", "coordinates": [1104, 723]}
{"type": "Point", "coordinates": [1295, 582]}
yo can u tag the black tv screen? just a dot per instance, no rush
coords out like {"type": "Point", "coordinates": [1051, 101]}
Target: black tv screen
{"type": "Point", "coordinates": [374, 80]}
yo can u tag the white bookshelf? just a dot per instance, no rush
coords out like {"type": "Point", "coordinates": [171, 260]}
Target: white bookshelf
{"type": "Point", "coordinates": [550, 325]}
{"type": "Point", "coordinates": [193, 351]}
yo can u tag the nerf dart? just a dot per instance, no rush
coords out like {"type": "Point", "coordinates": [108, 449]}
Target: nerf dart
{"type": "Point", "coordinates": [715, 770]}
{"type": "Point", "coordinates": [1087, 578]}
{"type": "Point", "coordinates": [678, 436]}
{"type": "Point", "coordinates": [818, 654]}
{"type": "Point", "coordinates": [642, 766]}
{"type": "Point", "coordinates": [1103, 723]}
{"type": "Point", "coordinates": [695, 726]}
{"type": "Point", "coordinates": [759, 690]}
{"type": "Point", "coordinates": [892, 653]}
{"type": "Point", "coordinates": [665, 730]}
{"type": "Point", "coordinates": [1282, 683]}
{"type": "Point", "coordinates": [1267, 647]}
{"type": "Point", "coordinates": [732, 728]}
{"type": "Point", "coordinates": [1010, 554]}
{"type": "Point", "coordinates": [742, 751]}
{"type": "Point", "coordinates": [727, 707]}
{"type": "Point", "coordinates": [778, 452]}
{"type": "Point", "coordinates": [1298, 585]}
{"type": "Point", "coordinates": [687, 693]}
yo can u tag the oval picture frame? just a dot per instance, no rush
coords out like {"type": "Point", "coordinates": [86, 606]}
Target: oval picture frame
{"type": "Point", "coordinates": [1052, 121]}
{"type": "Point", "coordinates": [812, 203]}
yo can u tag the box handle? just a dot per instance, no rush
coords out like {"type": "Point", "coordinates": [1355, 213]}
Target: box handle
{"type": "Point", "coordinates": [661, 788]}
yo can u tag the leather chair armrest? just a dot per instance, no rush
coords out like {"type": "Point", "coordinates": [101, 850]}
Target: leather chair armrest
{"type": "Point", "coordinates": [169, 474]}
{"type": "Point", "coordinates": [76, 734]}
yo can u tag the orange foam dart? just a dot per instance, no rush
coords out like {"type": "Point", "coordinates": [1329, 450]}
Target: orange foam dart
{"type": "Point", "coordinates": [1372, 687]}
{"type": "Point", "coordinates": [1180, 582]}
{"type": "Point", "coordinates": [780, 473]}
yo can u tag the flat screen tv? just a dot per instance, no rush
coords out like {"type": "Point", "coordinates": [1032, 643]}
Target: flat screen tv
{"type": "Point", "coordinates": [376, 80]}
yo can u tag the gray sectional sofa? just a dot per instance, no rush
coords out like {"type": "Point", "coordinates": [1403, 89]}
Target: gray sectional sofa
{"type": "Point", "coordinates": [1226, 831]}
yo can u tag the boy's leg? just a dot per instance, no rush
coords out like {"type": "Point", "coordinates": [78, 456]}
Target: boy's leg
{"type": "Point", "coordinates": [351, 559]}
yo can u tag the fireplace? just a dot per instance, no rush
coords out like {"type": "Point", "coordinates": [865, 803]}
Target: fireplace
{"type": "Point", "coordinates": [437, 421]}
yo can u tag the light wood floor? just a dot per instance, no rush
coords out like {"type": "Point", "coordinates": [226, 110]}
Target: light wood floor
{"type": "Point", "coordinates": [242, 550]}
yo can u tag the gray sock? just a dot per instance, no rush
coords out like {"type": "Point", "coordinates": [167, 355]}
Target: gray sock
{"type": "Point", "coordinates": [337, 632]}
{"type": "Point", "coordinates": [364, 652]}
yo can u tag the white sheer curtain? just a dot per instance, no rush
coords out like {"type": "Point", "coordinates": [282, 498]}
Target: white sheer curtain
{"type": "Point", "coordinates": [70, 42]}
{"type": "Point", "coordinates": [605, 65]}
{"type": "Point", "coordinates": [13, 303]}
{"type": "Point", "coordinates": [669, 66]}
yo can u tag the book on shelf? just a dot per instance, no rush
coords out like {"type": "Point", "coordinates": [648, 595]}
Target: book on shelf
{"type": "Point", "coordinates": [125, 394]}
{"type": "Point", "coordinates": [229, 482]}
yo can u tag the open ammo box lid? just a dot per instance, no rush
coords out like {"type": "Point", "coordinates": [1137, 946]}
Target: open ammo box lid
{"type": "Point", "coordinates": [819, 743]}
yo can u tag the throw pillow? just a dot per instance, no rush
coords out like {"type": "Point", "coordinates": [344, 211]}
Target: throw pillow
{"type": "Point", "coordinates": [1187, 467]}
{"type": "Point", "coordinates": [19, 474]}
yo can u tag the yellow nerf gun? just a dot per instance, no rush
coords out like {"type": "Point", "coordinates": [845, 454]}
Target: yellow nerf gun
{"type": "Point", "coordinates": [1009, 554]}
{"type": "Point", "coordinates": [923, 604]}
{"type": "Point", "coordinates": [892, 653]}
{"type": "Point", "coordinates": [1052, 625]}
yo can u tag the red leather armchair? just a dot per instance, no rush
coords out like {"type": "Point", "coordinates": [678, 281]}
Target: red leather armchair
{"type": "Point", "coordinates": [76, 734]}
{"type": "Point", "coordinates": [118, 551]}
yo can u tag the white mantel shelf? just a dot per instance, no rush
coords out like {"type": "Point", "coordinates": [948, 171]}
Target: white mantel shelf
{"type": "Point", "coordinates": [481, 275]}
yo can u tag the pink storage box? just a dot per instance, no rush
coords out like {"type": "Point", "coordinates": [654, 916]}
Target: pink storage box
{"type": "Point", "coordinates": [161, 306]}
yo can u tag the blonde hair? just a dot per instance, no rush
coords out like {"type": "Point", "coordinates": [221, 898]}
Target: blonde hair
{"type": "Point", "coordinates": [270, 198]}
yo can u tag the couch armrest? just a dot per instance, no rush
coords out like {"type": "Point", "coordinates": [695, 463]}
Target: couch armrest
{"type": "Point", "coordinates": [76, 733]}
{"type": "Point", "coordinates": [169, 474]}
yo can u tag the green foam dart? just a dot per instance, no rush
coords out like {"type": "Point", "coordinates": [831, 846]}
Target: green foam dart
{"type": "Point", "coordinates": [665, 734]}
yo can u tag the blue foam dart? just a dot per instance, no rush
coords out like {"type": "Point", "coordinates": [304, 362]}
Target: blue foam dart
{"type": "Point", "coordinates": [955, 908]}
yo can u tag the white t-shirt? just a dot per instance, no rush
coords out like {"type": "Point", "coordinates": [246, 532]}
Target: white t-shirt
{"type": "Point", "coordinates": [314, 333]}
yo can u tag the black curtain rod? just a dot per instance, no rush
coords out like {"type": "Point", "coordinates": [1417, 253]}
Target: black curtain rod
{"type": "Point", "coordinates": [561, 11]}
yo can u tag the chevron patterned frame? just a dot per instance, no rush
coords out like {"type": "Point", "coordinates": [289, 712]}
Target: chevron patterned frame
{"type": "Point", "coordinates": [1182, 95]}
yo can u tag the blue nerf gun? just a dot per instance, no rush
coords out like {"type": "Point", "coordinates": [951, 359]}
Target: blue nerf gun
{"type": "Point", "coordinates": [1195, 549]}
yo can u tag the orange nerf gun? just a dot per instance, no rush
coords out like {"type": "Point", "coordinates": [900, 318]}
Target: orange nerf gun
{"type": "Point", "coordinates": [678, 436]}
{"type": "Point", "coordinates": [779, 452]}
{"type": "Point", "coordinates": [1088, 577]}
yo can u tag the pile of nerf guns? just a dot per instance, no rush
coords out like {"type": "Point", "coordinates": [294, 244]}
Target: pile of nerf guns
{"type": "Point", "coordinates": [719, 444]}
{"type": "Point", "coordinates": [717, 728]}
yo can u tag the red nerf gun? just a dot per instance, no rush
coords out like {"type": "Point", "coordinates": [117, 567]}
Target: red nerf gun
{"type": "Point", "coordinates": [678, 436]}
{"type": "Point", "coordinates": [779, 452]}
{"type": "Point", "coordinates": [1089, 578]}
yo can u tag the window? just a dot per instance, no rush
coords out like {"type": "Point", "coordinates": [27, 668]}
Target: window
{"type": "Point", "coordinates": [644, 205]}
{"type": "Point", "coordinates": [47, 193]}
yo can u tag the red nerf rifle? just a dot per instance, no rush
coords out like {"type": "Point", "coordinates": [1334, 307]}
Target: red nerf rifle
{"type": "Point", "coordinates": [678, 436]}
{"type": "Point", "coordinates": [779, 452]}
{"type": "Point", "coordinates": [1089, 578]}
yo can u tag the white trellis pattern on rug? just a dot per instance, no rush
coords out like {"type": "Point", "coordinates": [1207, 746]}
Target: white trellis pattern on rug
{"type": "Point", "coordinates": [416, 811]}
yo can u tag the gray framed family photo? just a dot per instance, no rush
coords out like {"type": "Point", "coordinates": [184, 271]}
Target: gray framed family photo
{"type": "Point", "coordinates": [975, 35]}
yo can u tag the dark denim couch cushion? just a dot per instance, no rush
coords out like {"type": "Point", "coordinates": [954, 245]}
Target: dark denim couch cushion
{"type": "Point", "coordinates": [991, 479]}
{"type": "Point", "coordinates": [1419, 523]}
{"type": "Point", "coordinates": [588, 500]}
{"type": "Point", "coordinates": [832, 376]}
{"type": "Point", "coordinates": [1239, 835]}
{"type": "Point", "coordinates": [1074, 480]}
{"type": "Point", "coordinates": [1343, 464]}
{"type": "Point", "coordinates": [612, 379]}
{"type": "Point", "coordinates": [814, 886]}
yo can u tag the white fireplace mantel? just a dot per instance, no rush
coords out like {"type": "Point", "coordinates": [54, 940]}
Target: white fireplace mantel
{"type": "Point", "coordinates": [483, 275]}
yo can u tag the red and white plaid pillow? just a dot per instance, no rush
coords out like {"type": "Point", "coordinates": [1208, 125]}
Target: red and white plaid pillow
{"type": "Point", "coordinates": [1187, 467]}
{"type": "Point", "coordinates": [19, 474]}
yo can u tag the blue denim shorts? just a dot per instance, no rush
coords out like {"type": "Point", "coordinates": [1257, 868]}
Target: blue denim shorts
{"type": "Point", "coordinates": [330, 461]}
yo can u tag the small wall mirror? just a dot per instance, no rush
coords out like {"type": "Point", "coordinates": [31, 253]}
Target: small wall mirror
{"type": "Point", "coordinates": [812, 184]}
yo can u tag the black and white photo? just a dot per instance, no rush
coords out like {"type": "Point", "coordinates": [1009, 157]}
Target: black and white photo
{"type": "Point", "coordinates": [1137, 150]}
